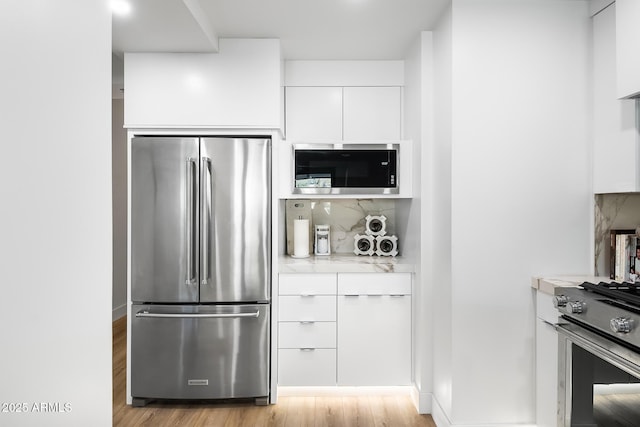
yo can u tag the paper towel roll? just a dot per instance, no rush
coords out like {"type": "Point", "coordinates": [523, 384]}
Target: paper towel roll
{"type": "Point", "coordinates": [300, 238]}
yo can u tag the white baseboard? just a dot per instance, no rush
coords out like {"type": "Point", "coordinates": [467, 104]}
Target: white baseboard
{"type": "Point", "coordinates": [119, 312]}
{"type": "Point", "coordinates": [441, 419]}
{"type": "Point", "coordinates": [325, 391]}
{"type": "Point", "coordinates": [438, 415]}
{"type": "Point", "coordinates": [422, 401]}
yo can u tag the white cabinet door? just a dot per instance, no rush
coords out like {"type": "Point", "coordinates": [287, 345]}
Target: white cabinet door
{"type": "Point", "coordinates": [546, 361]}
{"type": "Point", "coordinates": [615, 156]}
{"type": "Point", "coordinates": [307, 367]}
{"type": "Point", "coordinates": [372, 113]}
{"type": "Point", "coordinates": [349, 114]}
{"type": "Point", "coordinates": [313, 113]}
{"type": "Point", "coordinates": [627, 42]}
{"type": "Point", "coordinates": [546, 374]}
{"type": "Point", "coordinates": [374, 340]}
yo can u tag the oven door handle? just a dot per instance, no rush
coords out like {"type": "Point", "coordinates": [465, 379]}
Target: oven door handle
{"type": "Point", "coordinates": [617, 355]}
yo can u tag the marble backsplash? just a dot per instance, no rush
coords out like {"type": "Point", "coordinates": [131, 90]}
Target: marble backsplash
{"type": "Point", "coordinates": [612, 212]}
{"type": "Point", "coordinates": [346, 218]}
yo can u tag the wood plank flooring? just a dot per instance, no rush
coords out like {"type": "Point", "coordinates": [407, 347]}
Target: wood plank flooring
{"type": "Point", "coordinates": [338, 411]}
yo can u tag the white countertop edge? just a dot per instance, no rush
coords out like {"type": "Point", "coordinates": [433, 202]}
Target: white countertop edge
{"type": "Point", "coordinates": [344, 263]}
{"type": "Point", "coordinates": [548, 284]}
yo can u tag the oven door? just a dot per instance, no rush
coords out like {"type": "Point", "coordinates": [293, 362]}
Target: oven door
{"type": "Point", "coordinates": [584, 359]}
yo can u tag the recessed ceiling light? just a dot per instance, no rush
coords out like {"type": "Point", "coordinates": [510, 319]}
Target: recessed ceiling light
{"type": "Point", "coordinates": [120, 7]}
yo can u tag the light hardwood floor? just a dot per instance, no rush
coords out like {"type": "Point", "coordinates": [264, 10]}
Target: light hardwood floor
{"type": "Point", "coordinates": [339, 411]}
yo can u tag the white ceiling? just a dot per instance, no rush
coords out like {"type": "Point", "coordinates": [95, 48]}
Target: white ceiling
{"type": "Point", "coordinates": [307, 29]}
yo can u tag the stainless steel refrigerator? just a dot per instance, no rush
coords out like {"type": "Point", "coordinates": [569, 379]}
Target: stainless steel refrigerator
{"type": "Point", "coordinates": [200, 268]}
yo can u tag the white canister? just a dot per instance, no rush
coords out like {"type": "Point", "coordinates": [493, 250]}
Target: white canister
{"type": "Point", "coordinates": [300, 238]}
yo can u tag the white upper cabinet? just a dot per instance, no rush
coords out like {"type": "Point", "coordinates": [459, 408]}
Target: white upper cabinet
{"type": "Point", "coordinates": [239, 87]}
{"type": "Point", "coordinates": [343, 100]}
{"type": "Point", "coordinates": [627, 43]}
{"type": "Point", "coordinates": [615, 158]}
{"type": "Point", "coordinates": [313, 113]}
{"type": "Point", "coordinates": [372, 113]}
{"type": "Point", "coordinates": [343, 113]}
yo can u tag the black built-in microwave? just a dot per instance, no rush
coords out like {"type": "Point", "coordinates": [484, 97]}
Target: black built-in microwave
{"type": "Point", "coordinates": [345, 168]}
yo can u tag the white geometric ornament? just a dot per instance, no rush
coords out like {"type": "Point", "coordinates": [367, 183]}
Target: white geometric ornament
{"type": "Point", "coordinates": [363, 244]}
{"type": "Point", "coordinates": [376, 225]}
{"type": "Point", "coordinates": [386, 245]}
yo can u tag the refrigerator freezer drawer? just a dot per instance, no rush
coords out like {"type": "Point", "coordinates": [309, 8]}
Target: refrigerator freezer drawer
{"type": "Point", "coordinates": [200, 352]}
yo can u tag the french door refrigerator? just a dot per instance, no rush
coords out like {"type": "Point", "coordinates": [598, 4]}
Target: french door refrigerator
{"type": "Point", "coordinates": [200, 268]}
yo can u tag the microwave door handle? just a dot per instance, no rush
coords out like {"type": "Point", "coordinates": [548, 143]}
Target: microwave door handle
{"type": "Point", "coordinates": [206, 185]}
{"type": "Point", "coordinates": [190, 221]}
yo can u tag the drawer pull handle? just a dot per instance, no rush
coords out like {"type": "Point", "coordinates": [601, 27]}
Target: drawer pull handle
{"type": "Point", "coordinates": [307, 322]}
{"type": "Point", "coordinates": [352, 295]}
{"type": "Point", "coordinates": [397, 295]}
{"type": "Point", "coordinates": [308, 295]}
{"type": "Point", "coordinates": [307, 349]}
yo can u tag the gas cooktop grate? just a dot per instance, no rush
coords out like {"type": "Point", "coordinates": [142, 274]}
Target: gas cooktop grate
{"type": "Point", "coordinates": [625, 291]}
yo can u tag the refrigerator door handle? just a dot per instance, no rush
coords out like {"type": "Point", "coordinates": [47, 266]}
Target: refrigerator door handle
{"type": "Point", "coordinates": [146, 313]}
{"type": "Point", "coordinates": [206, 184]}
{"type": "Point", "coordinates": [191, 232]}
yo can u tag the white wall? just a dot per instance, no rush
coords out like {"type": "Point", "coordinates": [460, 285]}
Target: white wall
{"type": "Point", "coordinates": [119, 169]}
{"type": "Point", "coordinates": [418, 126]}
{"type": "Point", "coordinates": [55, 186]}
{"type": "Point", "coordinates": [520, 196]}
{"type": "Point", "coordinates": [440, 189]}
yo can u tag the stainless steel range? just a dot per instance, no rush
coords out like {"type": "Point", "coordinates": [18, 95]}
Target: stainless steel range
{"type": "Point", "coordinates": [599, 343]}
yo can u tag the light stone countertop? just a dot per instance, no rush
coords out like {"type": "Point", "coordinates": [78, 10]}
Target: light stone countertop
{"type": "Point", "coordinates": [345, 263]}
{"type": "Point", "coordinates": [548, 284]}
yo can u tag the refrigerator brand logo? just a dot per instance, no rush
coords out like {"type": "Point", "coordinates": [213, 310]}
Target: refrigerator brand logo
{"type": "Point", "coordinates": [198, 382]}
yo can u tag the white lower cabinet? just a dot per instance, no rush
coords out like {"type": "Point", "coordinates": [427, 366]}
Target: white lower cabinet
{"type": "Point", "coordinates": [374, 329]}
{"type": "Point", "coordinates": [307, 330]}
{"type": "Point", "coordinates": [546, 361]}
{"type": "Point", "coordinates": [345, 329]}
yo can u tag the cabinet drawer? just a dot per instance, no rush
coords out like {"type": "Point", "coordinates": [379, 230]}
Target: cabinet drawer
{"type": "Point", "coordinates": [307, 335]}
{"type": "Point", "coordinates": [307, 284]}
{"type": "Point", "coordinates": [307, 308]}
{"type": "Point", "coordinates": [306, 367]}
{"type": "Point", "coordinates": [374, 284]}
